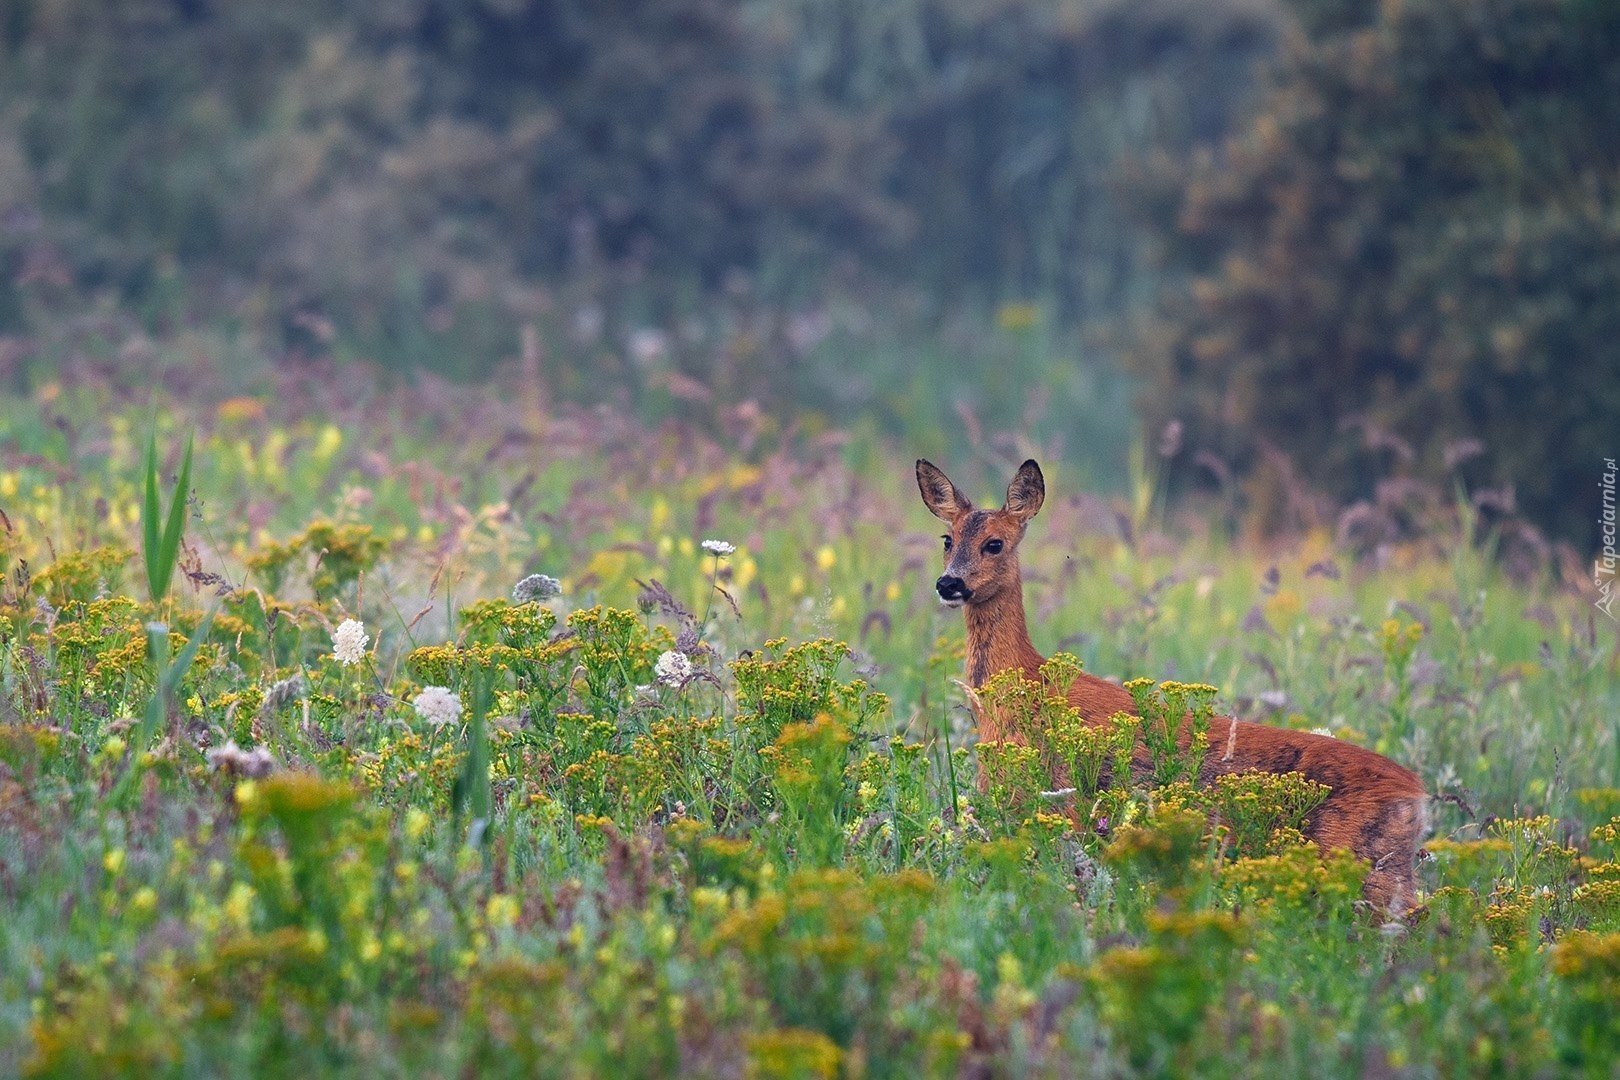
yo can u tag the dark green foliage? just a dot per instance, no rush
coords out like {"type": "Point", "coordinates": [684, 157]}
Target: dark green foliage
{"type": "Point", "coordinates": [393, 174]}
{"type": "Point", "coordinates": [1417, 234]}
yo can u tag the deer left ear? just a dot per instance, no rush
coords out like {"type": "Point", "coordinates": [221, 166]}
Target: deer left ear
{"type": "Point", "coordinates": [939, 494]}
{"type": "Point", "coordinates": [1026, 492]}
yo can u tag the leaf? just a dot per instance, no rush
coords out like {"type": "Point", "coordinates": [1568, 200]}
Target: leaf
{"type": "Point", "coordinates": [162, 553]}
{"type": "Point", "coordinates": [471, 790]}
{"type": "Point", "coordinates": [149, 518]}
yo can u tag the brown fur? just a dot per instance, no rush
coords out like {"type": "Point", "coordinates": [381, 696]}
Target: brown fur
{"type": "Point", "coordinates": [1375, 807]}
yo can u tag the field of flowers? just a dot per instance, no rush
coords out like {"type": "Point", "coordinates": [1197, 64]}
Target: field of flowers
{"type": "Point", "coordinates": [433, 732]}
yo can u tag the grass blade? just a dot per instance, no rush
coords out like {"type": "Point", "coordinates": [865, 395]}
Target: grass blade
{"type": "Point", "coordinates": [471, 791]}
{"type": "Point", "coordinates": [162, 553]}
{"type": "Point", "coordinates": [150, 511]}
{"type": "Point", "coordinates": [169, 674]}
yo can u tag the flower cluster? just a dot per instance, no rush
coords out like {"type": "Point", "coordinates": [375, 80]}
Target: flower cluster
{"type": "Point", "coordinates": [349, 642]}
{"type": "Point", "coordinates": [673, 669]}
{"type": "Point", "coordinates": [536, 588]}
{"type": "Point", "coordinates": [438, 706]}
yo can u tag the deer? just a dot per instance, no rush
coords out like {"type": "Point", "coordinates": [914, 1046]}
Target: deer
{"type": "Point", "coordinates": [1374, 807]}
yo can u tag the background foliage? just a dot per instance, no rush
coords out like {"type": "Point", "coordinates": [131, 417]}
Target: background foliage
{"type": "Point", "coordinates": [1331, 238]}
{"type": "Point", "coordinates": [1417, 235]}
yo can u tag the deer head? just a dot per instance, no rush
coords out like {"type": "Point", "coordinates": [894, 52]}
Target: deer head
{"type": "Point", "coordinates": [981, 549]}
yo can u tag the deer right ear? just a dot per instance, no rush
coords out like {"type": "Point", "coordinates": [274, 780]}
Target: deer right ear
{"type": "Point", "coordinates": [1026, 492]}
{"type": "Point", "coordinates": [939, 494]}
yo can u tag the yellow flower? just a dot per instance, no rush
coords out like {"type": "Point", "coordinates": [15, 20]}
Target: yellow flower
{"type": "Point", "coordinates": [238, 905]}
{"type": "Point", "coordinates": [237, 409]}
{"type": "Point", "coordinates": [1017, 317]}
{"type": "Point", "coordinates": [417, 822]}
{"type": "Point", "coordinates": [113, 861]}
{"type": "Point", "coordinates": [329, 441]}
{"type": "Point", "coordinates": [826, 558]}
{"type": "Point", "coordinates": [502, 910]}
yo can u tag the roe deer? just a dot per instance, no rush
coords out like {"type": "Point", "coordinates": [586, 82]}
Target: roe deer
{"type": "Point", "coordinates": [1374, 807]}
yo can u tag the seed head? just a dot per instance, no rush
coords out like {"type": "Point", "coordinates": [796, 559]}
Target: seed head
{"type": "Point", "coordinates": [438, 706]}
{"type": "Point", "coordinates": [536, 587]}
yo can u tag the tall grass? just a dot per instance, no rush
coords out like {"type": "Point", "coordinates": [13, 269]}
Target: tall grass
{"type": "Point", "coordinates": [225, 851]}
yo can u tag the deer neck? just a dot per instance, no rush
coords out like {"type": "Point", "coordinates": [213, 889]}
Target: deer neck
{"type": "Point", "coordinates": [998, 636]}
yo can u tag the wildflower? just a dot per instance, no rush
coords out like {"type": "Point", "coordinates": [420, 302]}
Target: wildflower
{"type": "Point", "coordinates": [438, 706]}
{"type": "Point", "coordinates": [232, 760]}
{"type": "Point", "coordinates": [648, 346]}
{"type": "Point", "coordinates": [719, 547]}
{"type": "Point", "coordinates": [536, 587]}
{"type": "Point", "coordinates": [673, 669]}
{"type": "Point", "coordinates": [502, 910]}
{"type": "Point", "coordinates": [417, 823]}
{"type": "Point", "coordinates": [349, 642]}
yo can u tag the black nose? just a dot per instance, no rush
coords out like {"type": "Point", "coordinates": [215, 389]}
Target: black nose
{"type": "Point", "coordinates": [952, 588]}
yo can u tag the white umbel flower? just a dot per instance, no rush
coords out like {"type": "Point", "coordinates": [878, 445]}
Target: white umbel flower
{"type": "Point", "coordinates": [536, 587]}
{"type": "Point", "coordinates": [438, 706]}
{"type": "Point", "coordinates": [719, 547]}
{"type": "Point", "coordinates": [673, 669]}
{"type": "Point", "coordinates": [349, 642]}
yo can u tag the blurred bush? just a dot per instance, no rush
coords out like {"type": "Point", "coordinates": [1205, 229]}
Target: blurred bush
{"type": "Point", "coordinates": [336, 169]}
{"type": "Point", "coordinates": [1416, 238]}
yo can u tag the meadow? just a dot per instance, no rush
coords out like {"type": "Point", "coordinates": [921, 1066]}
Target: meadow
{"type": "Point", "coordinates": [442, 731]}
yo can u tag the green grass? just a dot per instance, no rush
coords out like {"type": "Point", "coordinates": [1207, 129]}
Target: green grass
{"type": "Point", "coordinates": [782, 864]}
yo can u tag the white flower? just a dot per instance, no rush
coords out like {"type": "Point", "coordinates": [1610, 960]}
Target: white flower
{"type": "Point", "coordinates": [536, 587]}
{"type": "Point", "coordinates": [719, 547]}
{"type": "Point", "coordinates": [349, 642]}
{"type": "Point", "coordinates": [438, 706]}
{"type": "Point", "coordinates": [647, 346]}
{"type": "Point", "coordinates": [673, 669]}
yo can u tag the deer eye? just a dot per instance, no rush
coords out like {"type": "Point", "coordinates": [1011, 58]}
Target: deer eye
{"type": "Point", "coordinates": [947, 540]}
{"type": "Point", "coordinates": [992, 547]}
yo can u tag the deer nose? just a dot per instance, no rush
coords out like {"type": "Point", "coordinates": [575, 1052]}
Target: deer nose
{"type": "Point", "coordinates": [952, 588]}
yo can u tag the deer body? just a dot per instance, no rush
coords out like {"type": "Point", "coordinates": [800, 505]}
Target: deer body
{"type": "Point", "coordinates": [1375, 807]}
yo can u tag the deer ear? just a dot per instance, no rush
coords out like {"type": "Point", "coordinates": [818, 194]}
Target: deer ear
{"type": "Point", "coordinates": [1026, 492]}
{"type": "Point", "coordinates": [939, 494]}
